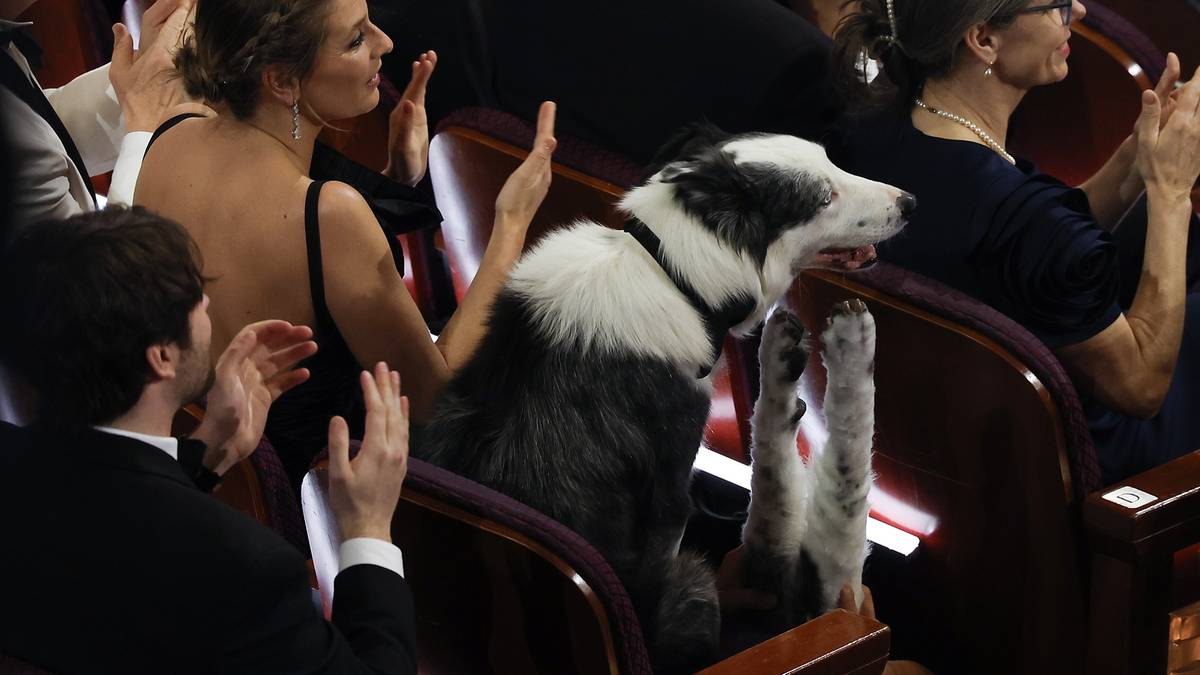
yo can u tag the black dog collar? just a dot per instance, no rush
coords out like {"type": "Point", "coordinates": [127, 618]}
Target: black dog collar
{"type": "Point", "coordinates": [718, 321]}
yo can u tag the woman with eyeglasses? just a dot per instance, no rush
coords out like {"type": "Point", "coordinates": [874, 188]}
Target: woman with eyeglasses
{"type": "Point", "coordinates": [934, 122]}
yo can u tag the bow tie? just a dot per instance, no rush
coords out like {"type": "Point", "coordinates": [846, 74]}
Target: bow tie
{"type": "Point", "coordinates": [28, 47]}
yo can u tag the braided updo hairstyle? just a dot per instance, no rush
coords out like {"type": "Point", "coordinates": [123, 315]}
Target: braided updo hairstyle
{"type": "Point", "coordinates": [927, 41]}
{"type": "Point", "coordinates": [234, 41]}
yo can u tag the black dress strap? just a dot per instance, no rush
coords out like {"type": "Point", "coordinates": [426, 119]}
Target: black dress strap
{"type": "Point", "coordinates": [168, 125]}
{"type": "Point", "coordinates": [316, 274]}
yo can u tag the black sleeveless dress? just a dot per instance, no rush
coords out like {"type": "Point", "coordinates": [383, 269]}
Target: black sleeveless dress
{"type": "Point", "coordinates": [298, 423]}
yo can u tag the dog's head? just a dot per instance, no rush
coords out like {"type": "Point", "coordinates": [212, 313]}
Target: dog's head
{"type": "Point", "coordinates": [779, 201]}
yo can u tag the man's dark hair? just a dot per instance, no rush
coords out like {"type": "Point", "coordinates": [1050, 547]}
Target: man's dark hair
{"type": "Point", "coordinates": [83, 299]}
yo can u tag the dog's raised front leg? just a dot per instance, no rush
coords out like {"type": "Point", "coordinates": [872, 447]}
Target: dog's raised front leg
{"type": "Point", "coordinates": [775, 527]}
{"type": "Point", "coordinates": [837, 530]}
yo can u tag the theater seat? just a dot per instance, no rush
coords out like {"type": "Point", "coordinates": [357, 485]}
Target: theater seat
{"type": "Point", "coordinates": [257, 486]}
{"type": "Point", "coordinates": [982, 451]}
{"type": "Point", "coordinates": [472, 155]}
{"type": "Point", "coordinates": [499, 587]}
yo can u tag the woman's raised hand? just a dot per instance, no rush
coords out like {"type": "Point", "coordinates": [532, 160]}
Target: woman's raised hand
{"type": "Point", "coordinates": [1169, 154]}
{"type": "Point", "coordinates": [408, 126]}
{"type": "Point", "coordinates": [525, 189]}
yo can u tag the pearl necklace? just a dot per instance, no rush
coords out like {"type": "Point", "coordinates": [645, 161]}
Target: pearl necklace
{"type": "Point", "coordinates": [983, 135]}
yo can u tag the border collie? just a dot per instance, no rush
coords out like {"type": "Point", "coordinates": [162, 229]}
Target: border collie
{"type": "Point", "coordinates": [587, 398]}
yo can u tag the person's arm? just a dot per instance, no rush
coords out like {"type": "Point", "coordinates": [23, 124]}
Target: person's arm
{"type": "Point", "coordinates": [518, 201]}
{"type": "Point", "coordinates": [91, 113]}
{"type": "Point", "coordinates": [1128, 366]}
{"type": "Point", "coordinates": [1118, 184]}
{"type": "Point", "coordinates": [370, 304]}
{"type": "Point", "coordinates": [277, 628]}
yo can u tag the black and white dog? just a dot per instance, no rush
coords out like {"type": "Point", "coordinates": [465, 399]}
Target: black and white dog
{"type": "Point", "coordinates": [587, 398]}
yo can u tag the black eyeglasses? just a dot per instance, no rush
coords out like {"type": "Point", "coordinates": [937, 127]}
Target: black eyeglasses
{"type": "Point", "coordinates": [1063, 7]}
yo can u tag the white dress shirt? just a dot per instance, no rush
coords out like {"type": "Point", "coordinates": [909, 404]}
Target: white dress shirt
{"type": "Point", "coordinates": [47, 184]}
{"type": "Point", "coordinates": [359, 551]}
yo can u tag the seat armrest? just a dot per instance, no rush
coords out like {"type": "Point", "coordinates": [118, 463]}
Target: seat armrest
{"type": "Point", "coordinates": [837, 642]}
{"type": "Point", "coordinates": [1152, 528]}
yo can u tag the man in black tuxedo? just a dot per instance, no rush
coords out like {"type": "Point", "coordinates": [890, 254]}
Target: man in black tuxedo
{"type": "Point", "coordinates": [626, 74]}
{"type": "Point", "coordinates": [115, 560]}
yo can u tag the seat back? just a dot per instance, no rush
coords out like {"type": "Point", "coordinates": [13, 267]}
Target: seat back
{"type": "Point", "coordinates": [1111, 63]}
{"type": "Point", "coordinates": [981, 451]}
{"type": "Point", "coordinates": [470, 158]}
{"type": "Point", "coordinates": [502, 587]}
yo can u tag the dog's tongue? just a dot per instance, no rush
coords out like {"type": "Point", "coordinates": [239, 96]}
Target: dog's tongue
{"type": "Point", "coordinates": [849, 258]}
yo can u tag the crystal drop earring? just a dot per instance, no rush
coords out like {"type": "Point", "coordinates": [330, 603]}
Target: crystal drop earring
{"type": "Point", "coordinates": [295, 119]}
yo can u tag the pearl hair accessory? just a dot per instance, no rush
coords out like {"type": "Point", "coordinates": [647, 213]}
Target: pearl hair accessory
{"type": "Point", "coordinates": [891, 14]}
{"type": "Point", "coordinates": [983, 135]}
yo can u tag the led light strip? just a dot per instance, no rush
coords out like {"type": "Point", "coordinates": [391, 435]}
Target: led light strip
{"type": "Point", "coordinates": [733, 471]}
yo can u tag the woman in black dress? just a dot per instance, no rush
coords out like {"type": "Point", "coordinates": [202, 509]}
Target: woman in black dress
{"type": "Point", "coordinates": [934, 122]}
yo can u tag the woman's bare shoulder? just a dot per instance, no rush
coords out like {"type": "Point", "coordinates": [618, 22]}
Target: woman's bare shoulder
{"type": "Point", "coordinates": [347, 222]}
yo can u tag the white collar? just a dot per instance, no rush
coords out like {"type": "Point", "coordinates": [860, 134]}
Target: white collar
{"type": "Point", "coordinates": [167, 444]}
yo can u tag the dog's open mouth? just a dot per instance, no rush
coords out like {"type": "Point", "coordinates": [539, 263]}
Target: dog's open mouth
{"type": "Point", "coordinates": [848, 258]}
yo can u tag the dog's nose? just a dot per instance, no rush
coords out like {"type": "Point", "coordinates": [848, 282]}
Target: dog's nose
{"type": "Point", "coordinates": [907, 204]}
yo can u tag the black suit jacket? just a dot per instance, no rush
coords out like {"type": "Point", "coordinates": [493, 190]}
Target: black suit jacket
{"type": "Point", "coordinates": [115, 562]}
{"type": "Point", "coordinates": [626, 74]}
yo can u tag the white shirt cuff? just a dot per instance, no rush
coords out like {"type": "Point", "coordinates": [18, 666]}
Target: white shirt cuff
{"type": "Point", "coordinates": [366, 551]}
{"type": "Point", "coordinates": [129, 165]}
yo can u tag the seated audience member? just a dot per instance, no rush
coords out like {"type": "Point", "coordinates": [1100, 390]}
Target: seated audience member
{"type": "Point", "coordinates": [98, 122]}
{"type": "Point", "coordinates": [282, 245]}
{"type": "Point", "coordinates": [120, 563]}
{"type": "Point", "coordinates": [991, 225]}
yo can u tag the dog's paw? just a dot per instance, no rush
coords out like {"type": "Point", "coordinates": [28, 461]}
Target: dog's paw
{"type": "Point", "coordinates": [849, 338]}
{"type": "Point", "coordinates": [782, 357]}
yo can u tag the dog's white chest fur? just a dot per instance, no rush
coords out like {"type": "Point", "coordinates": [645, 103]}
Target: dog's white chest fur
{"type": "Point", "coordinates": [593, 288]}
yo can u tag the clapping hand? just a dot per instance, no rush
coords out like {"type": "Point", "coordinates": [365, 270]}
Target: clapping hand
{"type": "Point", "coordinates": [144, 80]}
{"type": "Point", "coordinates": [363, 492]}
{"type": "Point", "coordinates": [408, 126]}
{"type": "Point", "coordinates": [525, 189]}
{"type": "Point", "coordinates": [1168, 139]}
{"type": "Point", "coordinates": [256, 368]}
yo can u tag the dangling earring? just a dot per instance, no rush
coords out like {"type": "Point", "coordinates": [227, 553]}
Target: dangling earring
{"type": "Point", "coordinates": [988, 72]}
{"type": "Point", "coordinates": [295, 119]}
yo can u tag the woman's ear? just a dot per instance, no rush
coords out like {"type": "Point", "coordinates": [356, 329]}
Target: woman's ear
{"type": "Point", "coordinates": [983, 41]}
{"type": "Point", "coordinates": [281, 86]}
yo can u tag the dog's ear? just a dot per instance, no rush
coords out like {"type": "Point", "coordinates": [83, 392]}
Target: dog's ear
{"type": "Point", "coordinates": [675, 156]}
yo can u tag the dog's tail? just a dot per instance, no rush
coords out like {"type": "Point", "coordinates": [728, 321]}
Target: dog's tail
{"type": "Point", "coordinates": [684, 627]}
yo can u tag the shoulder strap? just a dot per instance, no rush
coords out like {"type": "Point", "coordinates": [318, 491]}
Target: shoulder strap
{"type": "Point", "coordinates": [168, 125]}
{"type": "Point", "coordinates": [316, 276]}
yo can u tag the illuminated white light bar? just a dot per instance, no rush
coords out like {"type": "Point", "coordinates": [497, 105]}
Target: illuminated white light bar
{"type": "Point", "coordinates": [729, 470]}
{"type": "Point", "coordinates": [890, 537]}
{"type": "Point", "coordinates": [733, 471]}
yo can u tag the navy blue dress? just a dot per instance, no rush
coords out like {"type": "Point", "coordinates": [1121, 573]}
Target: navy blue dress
{"type": "Point", "coordinates": [1028, 245]}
